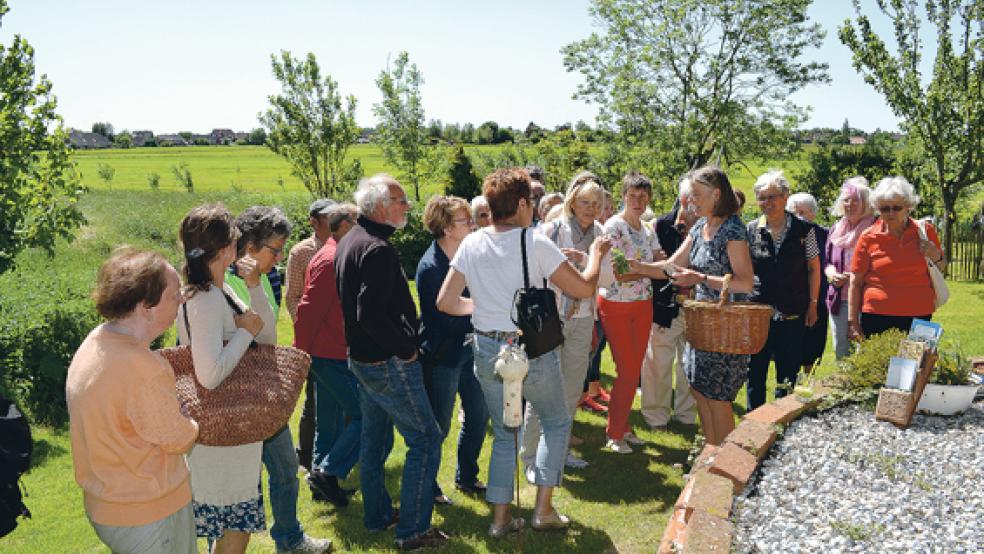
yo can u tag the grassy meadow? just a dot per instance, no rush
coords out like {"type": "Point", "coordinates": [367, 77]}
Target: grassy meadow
{"type": "Point", "coordinates": [618, 504]}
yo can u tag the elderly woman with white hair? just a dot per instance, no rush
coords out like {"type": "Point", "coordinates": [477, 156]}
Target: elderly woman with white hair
{"type": "Point", "coordinates": [572, 232]}
{"type": "Point", "coordinates": [786, 260]}
{"type": "Point", "coordinates": [890, 283]}
{"type": "Point", "coordinates": [853, 206]}
{"type": "Point", "coordinates": [480, 211]}
{"type": "Point", "coordinates": [804, 205]}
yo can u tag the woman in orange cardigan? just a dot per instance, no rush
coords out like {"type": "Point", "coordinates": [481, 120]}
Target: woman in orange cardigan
{"type": "Point", "coordinates": [128, 433]}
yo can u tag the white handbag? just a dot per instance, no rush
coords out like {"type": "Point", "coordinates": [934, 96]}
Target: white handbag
{"type": "Point", "coordinates": [935, 275]}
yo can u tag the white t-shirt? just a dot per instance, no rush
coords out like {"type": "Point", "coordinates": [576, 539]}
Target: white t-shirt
{"type": "Point", "coordinates": [492, 264]}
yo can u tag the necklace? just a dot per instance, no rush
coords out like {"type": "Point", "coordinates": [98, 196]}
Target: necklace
{"type": "Point", "coordinates": [118, 329]}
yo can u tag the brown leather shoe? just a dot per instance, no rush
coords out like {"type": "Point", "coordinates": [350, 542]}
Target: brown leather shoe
{"type": "Point", "coordinates": [431, 538]}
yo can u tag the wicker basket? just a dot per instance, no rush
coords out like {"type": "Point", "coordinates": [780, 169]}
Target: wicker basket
{"type": "Point", "coordinates": [255, 400]}
{"type": "Point", "coordinates": [725, 326]}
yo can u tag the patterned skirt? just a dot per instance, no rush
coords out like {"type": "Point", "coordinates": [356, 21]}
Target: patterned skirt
{"type": "Point", "coordinates": [716, 376]}
{"type": "Point", "coordinates": [212, 521]}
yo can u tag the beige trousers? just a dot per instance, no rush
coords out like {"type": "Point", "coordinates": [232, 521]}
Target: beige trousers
{"type": "Point", "coordinates": [665, 346]}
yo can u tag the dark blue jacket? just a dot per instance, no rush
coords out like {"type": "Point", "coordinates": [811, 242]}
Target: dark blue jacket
{"type": "Point", "coordinates": [442, 336]}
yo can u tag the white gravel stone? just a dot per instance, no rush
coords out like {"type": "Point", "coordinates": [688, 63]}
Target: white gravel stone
{"type": "Point", "coordinates": [843, 482]}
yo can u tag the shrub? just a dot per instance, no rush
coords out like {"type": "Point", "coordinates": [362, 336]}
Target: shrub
{"type": "Point", "coordinates": [154, 180]}
{"type": "Point", "coordinates": [182, 174]}
{"type": "Point", "coordinates": [411, 242]}
{"type": "Point", "coordinates": [40, 328]}
{"type": "Point", "coordinates": [867, 367]}
{"type": "Point", "coordinates": [952, 367]}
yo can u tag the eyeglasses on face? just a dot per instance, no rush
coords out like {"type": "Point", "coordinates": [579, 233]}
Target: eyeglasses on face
{"type": "Point", "coordinates": [400, 200]}
{"type": "Point", "coordinates": [768, 197]}
{"type": "Point", "coordinates": [464, 220]}
{"type": "Point", "coordinates": [276, 251]}
{"type": "Point", "coordinates": [886, 209]}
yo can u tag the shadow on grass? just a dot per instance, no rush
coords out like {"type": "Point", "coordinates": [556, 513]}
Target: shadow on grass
{"type": "Point", "coordinates": [43, 450]}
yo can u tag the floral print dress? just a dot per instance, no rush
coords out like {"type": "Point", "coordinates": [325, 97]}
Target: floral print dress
{"type": "Point", "coordinates": [715, 375]}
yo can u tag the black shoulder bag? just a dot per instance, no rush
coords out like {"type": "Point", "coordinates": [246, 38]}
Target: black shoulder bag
{"type": "Point", "coordinates": [535, 313]}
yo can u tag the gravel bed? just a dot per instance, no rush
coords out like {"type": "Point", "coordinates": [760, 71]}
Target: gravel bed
{"type": "Point", "coordinates": [843, 482]}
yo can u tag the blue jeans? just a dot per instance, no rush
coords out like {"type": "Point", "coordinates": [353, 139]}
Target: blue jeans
{"type": "Point", "coordinates": [392, 392]}
{"type": "Point", "coordinates": [453, 376]}
{"type": "Point", "coordinates": [785, 345]}
{"type": "Point", "coordinates": [594, 368]}
{"type": "Point", "coordinates": [336, 441]}
{"type": "Point", "coordinates": [280, 460]}
{"type": "Point", "coordinates": [543, 388]}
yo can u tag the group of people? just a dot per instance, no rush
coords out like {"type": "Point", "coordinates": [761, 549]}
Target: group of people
{"type": "Point", "coordinates": [379, 364]}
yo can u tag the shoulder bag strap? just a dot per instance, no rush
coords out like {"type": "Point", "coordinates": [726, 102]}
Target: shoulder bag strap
{"type": "Point", "coordinates": [526, 271]}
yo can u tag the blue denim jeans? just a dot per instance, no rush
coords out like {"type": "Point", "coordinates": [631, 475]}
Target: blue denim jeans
{"type": "Point", "coordinates": [392, 393]}
{"type": "Point", "coordinates": [338, 423]}
{"type": "Point", "coordinates": [456, 376]}
{"type": "Point", "coordinates": [280, 460]}
{"type": "Point", "coordinates": [785, 345]}
{"type": "Point", "coordinates": [543, 388]}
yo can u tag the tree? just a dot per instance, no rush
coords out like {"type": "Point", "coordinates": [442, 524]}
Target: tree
{"type": "Point", "coordinates": [103, 128]}
{"type": "Point", "coordinates": [693, 80]}
{"type": "Point", "coordinates": [39, 189]}
{"type": "Point", "coordinates": [487, 132]}
{"type": "Point", "coordinates": [123, 140]}
{"type": "Point", "coordinates": [461, 176]}
{"type": "Point", "coordinates": [944, 116]}
{"type": "Point", "coordinates": [257, 137]}
{"type": "Point", "coordinates": [106, 172]}
{"type": "Point", "coordinates": [401, 129]}
{"type": "Point", "coordinates": [307, 125]}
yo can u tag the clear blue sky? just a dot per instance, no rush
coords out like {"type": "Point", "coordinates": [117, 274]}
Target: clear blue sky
{"type": "Point", "coordinates": [194, 65]}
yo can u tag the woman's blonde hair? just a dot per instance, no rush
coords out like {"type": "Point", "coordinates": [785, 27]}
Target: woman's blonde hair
{"type": "Point", "coordinates": [590, 187]}
{"type": "Point", "coordinates": [440, 211]}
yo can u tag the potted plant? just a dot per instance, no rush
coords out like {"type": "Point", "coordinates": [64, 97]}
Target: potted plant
{"type": "Point", "coordinates": [950, 389]}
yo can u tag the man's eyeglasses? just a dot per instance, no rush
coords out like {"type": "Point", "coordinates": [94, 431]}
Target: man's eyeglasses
{"type": "Point", "coordinates": [886, 209]}
{"type": "Point", "coordinates": [399, 200]}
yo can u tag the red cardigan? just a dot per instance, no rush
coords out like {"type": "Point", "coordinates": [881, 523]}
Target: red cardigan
{"type": "Point", "coordinates": [320, 329]}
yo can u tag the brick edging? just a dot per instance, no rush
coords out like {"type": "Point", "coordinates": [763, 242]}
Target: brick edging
{"type": "Point", "coordinates": [701, 519]}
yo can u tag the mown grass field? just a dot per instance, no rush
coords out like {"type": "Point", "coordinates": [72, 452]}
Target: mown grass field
{"type": "Point", "coordinates": [619, 503]}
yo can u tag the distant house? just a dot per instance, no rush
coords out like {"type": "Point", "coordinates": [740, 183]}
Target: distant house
{"type": "Point", "coordinates": [857, 140]}
{"type": "Point", "coordinates": [222, 136]}
{"type": "Point", "coordinates": [171, 140]}
{"type": "Point", "coordinates": [242, 136]}
{"type": "Point", "coordinates": [141, 138]}
{"type": "Point", "coordinates": [85, 141]}
{"type": "Point", "coordinates": [199, 139]}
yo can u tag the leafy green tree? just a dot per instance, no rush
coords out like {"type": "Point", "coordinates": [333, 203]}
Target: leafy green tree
{"type": "Point", "coordinates": [401, 131]}
{"type": "Point", "coordinates": [186, 135]}
{"type": "Point", "coordinates": [182, 174]}
{"type": "Point", "coordinates": [693, 80]}
{"type": "Point", "coordinates": [257, 137]}
{"type": "Point", "coordinates": [123, 140]}
{"type": "Point", "coordinates": [106, 172]}
{"type": "Point", "coordinates": [308, 126]}
{"type": "Point", "coordinates": [944, 115]}
{"type": "Point", "coordinates": [39, 187]}
{"type": "Point", "coordinates": [461, 179]}
{"type": "Point", "coordinates": [533, 133]}
{"type": "Point", "coordinates": [103, 128]}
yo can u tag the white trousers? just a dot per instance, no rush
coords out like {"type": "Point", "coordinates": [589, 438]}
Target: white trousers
{"type": "Point", "coordinates": [665, 346]}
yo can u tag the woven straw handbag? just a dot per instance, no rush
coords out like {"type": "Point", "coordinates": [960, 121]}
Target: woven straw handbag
{"type": "Point", "coordinates": [725, 326]}
{"type": "Point", "coordinates": [254, 402]}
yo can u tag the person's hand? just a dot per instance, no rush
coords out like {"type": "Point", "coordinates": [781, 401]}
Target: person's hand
{"type": "Point", "coordinates": [575, 256]}
{"type": "Point", "coordinates": [811, 315]}
{"type": "Point", "coordinates": [246, 267]}
{"type": "Point", "coordinates": [929, 250]}
{"type": "Point", "coordinates": [838, 279]}
{"type": "Point", "coordinates": [683, 277]}
{"type": "Point", "coordinates": [601, 245]}
{"type": "Point", "coordinates": [854, 330]}
{"type": "Point", "coordinates": [659, 256]}
{"type": "Point", "coordinates": [249, 320]}
{"type": "Point", "coordinates": [412, 358]}
{"type": "Point", "coordinates": [637, 267]}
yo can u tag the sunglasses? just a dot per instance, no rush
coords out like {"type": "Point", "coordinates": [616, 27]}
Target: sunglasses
{"type": "Point", "coordinates": [886, 209]}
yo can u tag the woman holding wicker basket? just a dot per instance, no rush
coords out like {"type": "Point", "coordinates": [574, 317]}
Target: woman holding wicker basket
{"type": "Point", "coordinates": [714, 256]}
{"type": "Point", "coordinates": [225, 480]}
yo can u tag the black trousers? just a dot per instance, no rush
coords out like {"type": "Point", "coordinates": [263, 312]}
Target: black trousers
{"type": "Point", "coordinates": [785, 346]}
{"type": "Point", "coordinates": [874, 324]}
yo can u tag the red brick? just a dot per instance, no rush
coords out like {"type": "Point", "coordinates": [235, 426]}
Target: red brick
{"type": "Point", "coordinates": [735, 463]}
{"type": "Point", "coordinates": [673, 535]}
{"type": "Point", "coordinates": [708, 534]}
{"type": "Point", "coordinates": [780, 412]}
{"type": "Point", "coordinates": [704, 460]}
{"type": "Point", "coordinates": [708, 493]}
{"type": "Point", "coordinates": [754, 436]}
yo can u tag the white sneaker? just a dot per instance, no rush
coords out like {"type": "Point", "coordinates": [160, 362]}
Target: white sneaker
{"type": "Point", "coordinates": [632, 439]}
{"type": "Point", "coordinates": [574, 462]}
{"type": "Point", "coordinates": [618, 447]}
